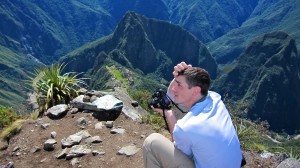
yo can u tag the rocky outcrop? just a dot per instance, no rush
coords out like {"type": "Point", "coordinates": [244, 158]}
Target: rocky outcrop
{"type": "Point", "coordinates": [266, 78]}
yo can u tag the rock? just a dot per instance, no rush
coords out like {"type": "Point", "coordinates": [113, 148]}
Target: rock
{"type": "Point", "coordinates": [3, 145]}
{"type": "Point", "coordinates": [93, 98]}
{"type": "Point", "coordinates": [135, 113]}
{"type": "Point", "coordinates": [35, 149]}
{"type": "Point", "coordinates": [58, 111]}
{"type": "Point", "coordinates": [109, 108]}
{"type": "Point", "coordinates": [83, 134]}
{"type": "Point", "coordinates": [104, 108]}
{"type": "Point", "coordinates": [78, 151]}
{"type": "Point", "coordinates": [289, 163]}
{"type": "Point", "coordinates": [74, 161]}
{"type": "Point", "coordinates": [278, 158]}
{"type": "Point", "coordinates": [44, 126]}
{"type": "Point", "coordinates": [62, 154]}
{"type": "Point", "coordinates": [95, 139]}
{"type": "Point", "coordinates": [98, 125]}
{"type": "Point", "coordinates": [266, 154]}
{"type": "Point", "coordinates": [135, 103]}
{"type": "Point", "coordinates": [109, 124]}
{"type": "Point", "coordinates": [95, 93]}
{"type": "Point", "coordinates": [118, 131]}
{"type": "Point", "coordinates": [53, 134]}
{"type": "Point", "coordinates": [86, 98]}
{"type": "Point", "coordinates": [70, 141]}
{"type": "Point", "coordinates": [15, 149]}
{"type": "Point", "coordinates": [96, 152]}
{"type": "Point", "coordinates": [82, 121]}
{"type": "Point", "coordinates": [49, 145]}
{"type": "Point", "coordinates": [74, 110]}
{"type": "Point", "coordinates": [297, 137]}
{"type": "Point", "coordinates": [128, 150]}
{"type": "Point", "coordinates": [82, 91]}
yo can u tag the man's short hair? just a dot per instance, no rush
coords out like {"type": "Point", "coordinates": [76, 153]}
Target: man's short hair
{"type": "Point", "coordinates": [196, 76]}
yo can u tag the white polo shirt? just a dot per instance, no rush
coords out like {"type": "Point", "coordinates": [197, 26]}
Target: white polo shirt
{"type": "Point", "coordinates": [207, 134]}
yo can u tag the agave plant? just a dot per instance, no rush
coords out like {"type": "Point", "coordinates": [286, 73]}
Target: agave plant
{"type": "Point", "coordinates": [52, 87]}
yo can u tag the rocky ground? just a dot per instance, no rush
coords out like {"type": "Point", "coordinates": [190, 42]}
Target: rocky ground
{"type": "Point", "coordinates": [21, 146]}
{"type": "Point", "coordinates": [26, 149]}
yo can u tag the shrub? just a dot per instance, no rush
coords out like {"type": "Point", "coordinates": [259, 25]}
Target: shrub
{"type": "Point", "coordinates": [11, 130]}
{"type": "Point", "coordinates": [7, 116]}
{"type": "Point", "coordinates": [155, 120]}
{"type": "Point", "coordinates": [52, 87]}
{"type": "Point", "coordinates": [141, 96]}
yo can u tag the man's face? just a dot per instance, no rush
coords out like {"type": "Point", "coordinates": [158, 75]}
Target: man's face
{"type": "Point", "coordinates": [183, 95]}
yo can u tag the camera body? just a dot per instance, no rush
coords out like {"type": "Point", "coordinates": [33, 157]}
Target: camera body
{"type": "Point", "coordinates": [160, 100]}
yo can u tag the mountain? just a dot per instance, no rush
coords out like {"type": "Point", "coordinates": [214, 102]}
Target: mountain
{"type": "Point", "coordinates": [134, 51]}
{"type": "Point", "coordinates": [209, 20]}
{"type": "Point", "coordinates": [266, 77]}
{"type": "Point", "coordinates": [268, 16]}
{"type": "Point", "coordinates": [48, 30]}
{"type": "Point", "coordinates": [144, 45]}
{"type": "Point", "coordinates": [14, 70]}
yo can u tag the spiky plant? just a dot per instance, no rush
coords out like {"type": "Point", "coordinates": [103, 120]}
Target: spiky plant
{"type": "Point", "coordinates": [52, 87]}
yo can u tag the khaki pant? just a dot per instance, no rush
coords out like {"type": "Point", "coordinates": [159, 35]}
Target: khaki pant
{"type": "Point", "coordinates": [158, 151]}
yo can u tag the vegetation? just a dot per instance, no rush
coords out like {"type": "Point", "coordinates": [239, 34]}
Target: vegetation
{"type": "Point", "coordinates": [7, 116]}
{"type": "Point", "coordinates": [255, 135]}
{"type": "Point", "coordinates": [52, 87]}
{"type": "Point", "coordinates": [152, 118]}
{"type": "Point", "coordinates": [13, 67]}
{"type": "Point", "coordinates": [11, 130]}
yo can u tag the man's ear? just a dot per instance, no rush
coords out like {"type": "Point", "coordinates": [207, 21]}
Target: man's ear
{"type": "Point", "coordinates": [197, 90]}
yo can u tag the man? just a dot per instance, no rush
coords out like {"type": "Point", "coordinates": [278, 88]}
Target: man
{"type": "Point", "coordinates": [205, 137]}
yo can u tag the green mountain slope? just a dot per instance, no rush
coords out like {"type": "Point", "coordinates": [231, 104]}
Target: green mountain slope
{"type": "Point", "coordinates": [208, 20]}
{"type": "Point", "coordinates": [268, 16]}
{"type": "Point", "coordinates": [14, 68]}
{"type": "Point", "coordinates": [142, 45]}
{"type": "Point", "coordinates": [266, 78]}
{"type": "Point", "coordinates": [47, 30]}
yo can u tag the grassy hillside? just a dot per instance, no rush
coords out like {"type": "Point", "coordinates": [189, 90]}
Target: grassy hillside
{"type": "Point", "coordinates": [268, 16]}
{"type": "Point", "coordinates": [14, 68]}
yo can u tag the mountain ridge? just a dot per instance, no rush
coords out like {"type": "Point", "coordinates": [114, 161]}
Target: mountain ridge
{"type": "Point", "coordinates": [262, 77]}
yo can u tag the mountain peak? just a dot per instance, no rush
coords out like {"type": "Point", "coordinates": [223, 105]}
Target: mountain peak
{"type": "Point", "coordinates": [149, 42]}
{"type": "Point", "coordinates": [266, 71]}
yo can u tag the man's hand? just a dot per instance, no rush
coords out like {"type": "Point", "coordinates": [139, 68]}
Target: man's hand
{"type": "Point", "coordinates": [180, 67]}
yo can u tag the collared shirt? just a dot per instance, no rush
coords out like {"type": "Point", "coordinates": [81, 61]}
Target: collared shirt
{"type": "Point", "coordinates": [207, 135]}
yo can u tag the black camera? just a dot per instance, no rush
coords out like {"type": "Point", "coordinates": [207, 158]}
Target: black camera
{"type": "Point", "coordinates": [160, 100]}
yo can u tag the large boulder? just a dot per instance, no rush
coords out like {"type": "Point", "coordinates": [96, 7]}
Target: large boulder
{"type": "Point", "coordinates": [105, 108]}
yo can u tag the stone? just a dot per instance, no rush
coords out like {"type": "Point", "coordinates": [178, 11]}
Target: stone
{"type": "Point", "coordinates": [117, 131]}
{"type": "Point", "coordinates": [49, 145]}
{"type": "Point", "coordinates": [289, 163]}
{"type": "Point", "coordinates": [128, 150]}
{"type": "Point", "coordinates": [98, 125]}
{"type": "Point", "coordinates": [58, 111]}
{"type": "Point", "coordinates": [70, 141]}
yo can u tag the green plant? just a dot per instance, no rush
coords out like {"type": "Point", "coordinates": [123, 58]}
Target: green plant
{"type": "Point", "coordinates": [34, 115]}
{"type": "Point", "coordinates": [293, 154]}
{"type": "Point", "coordinates": [141, 96]}
{"type": "Point", "coordinates": [52, 87]}
{"type": "Point", "coordinates": [155, 120]}
{"type": "Point", "coordinates": [11, 130]}
{"type": "Point", "coordinates": [7, 116]}
{"type": "Point", "coordinates": [247, 133]}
